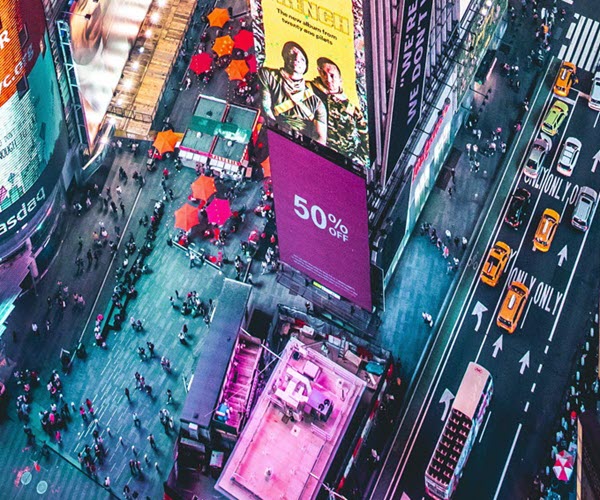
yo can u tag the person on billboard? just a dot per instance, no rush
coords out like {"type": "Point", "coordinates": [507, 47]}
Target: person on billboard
{"type": "Point", "coordinates": [288, 100]}
{"type": "Point", "coordinates": [346, 127]}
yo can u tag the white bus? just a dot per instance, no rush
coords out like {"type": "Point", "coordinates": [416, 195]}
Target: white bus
{"type": "Point", "coordinates": [460, 430]}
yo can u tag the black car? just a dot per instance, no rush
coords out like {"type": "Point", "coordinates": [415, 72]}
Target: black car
{"type": "Point", "coordinates": [517, 208]}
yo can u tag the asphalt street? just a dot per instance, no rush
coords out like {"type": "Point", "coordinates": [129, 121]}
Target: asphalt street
{"type": "Point", "coordinates": [531, 367]}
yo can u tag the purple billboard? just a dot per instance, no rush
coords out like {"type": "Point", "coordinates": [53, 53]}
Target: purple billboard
{"type": "Point", "coordinates": [321, 220]}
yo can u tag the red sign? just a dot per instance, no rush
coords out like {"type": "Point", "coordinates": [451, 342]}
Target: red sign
{"type": "Point", "coordinates": [431, 139]}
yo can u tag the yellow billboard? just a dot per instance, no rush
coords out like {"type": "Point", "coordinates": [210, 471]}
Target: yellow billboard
{"type": "Point", "coordinates": [312, 75]}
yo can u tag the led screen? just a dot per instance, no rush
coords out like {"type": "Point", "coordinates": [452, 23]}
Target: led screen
{"type": "Point", "coordinates": [321, 219]}
{"type": "Point", "coordinates": [102, 34]}
{"type": "Point", "coordinates": [32, 133]}
{"type": "Point", "coordinates": [313, 71]}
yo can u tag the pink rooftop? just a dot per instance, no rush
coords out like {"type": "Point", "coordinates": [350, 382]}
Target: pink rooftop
{"type": "Point", "coordinates": [295, 429]}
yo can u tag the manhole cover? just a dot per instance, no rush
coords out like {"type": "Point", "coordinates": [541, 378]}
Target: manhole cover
{"type": "Point", "coordinates": [26, 478]}
{"type": "Point", "coordinates": [42, 487]}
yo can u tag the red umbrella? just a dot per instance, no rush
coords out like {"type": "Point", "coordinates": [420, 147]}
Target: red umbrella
{"type": "Point", "coordinates": [201, 63]}
{"type": "Point", "coordinates": [244, 40]}
{"type": "Point", "coordinates": [251, 62]}
{"type": "Point", "coordinates": [563, 468]}
{"type": "Point", "coordinates": [218, 211]}
{"type": "Point", "coordinates": [186, 217]}
{"type": "Point", "coordinates": [203, 187]}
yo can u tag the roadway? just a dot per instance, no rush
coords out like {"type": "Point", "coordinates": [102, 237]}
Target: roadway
{"type": "Point", "coordinates": [531, 367]}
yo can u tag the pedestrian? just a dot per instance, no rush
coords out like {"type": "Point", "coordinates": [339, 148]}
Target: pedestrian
{"type": "Point", "coordinates": [249, 279]}
{"type": "Point", "coordinates": [119, 191]}
{"type": "Point", "coordinates": [456, 241]}
{"type": "Point", "coordinates": [448, 235]}
{"type": "Point", "coordinates": [464, 242]}
{"type": "Point", "coordinates": [450, 191]}
{"type": "Point", "coordinates": [503, 147]}
{"type": "Point", "coordinates": [134, 450]}
{"type": "Point", "coordinates": [169, 397]}
{"type": "Point", "coordinates": [113, 207]}
{"type": "Point", "coordinates": [453, 174]}
{"type": "Point", "coordinates": [136, 420]}
{"type": "Point", "coordinates": [150, 348]}
{"type": "Point", "coordinates": [34, 328]}
{"type": "Point", "coordinates": [307, 305]}
{"type": "Point", "coordinates": [184, 329]}
{"type": "Point", "coordinates": [79, 244]}
{"type": "Point", "coordinates": [182, 338]}
{"type": "Point", "coordinates": [177, 293]}
{"type": "Point", "coordinates": [263, 267]}
{"type": "Point", "coordinates": [127, 395]}
{"type": "Point", "coordinates": [48, 325]}
{"type": "Point", "coordinates": [152, 441]}
{"type": "Point", "coordinates": [82, 413]}
{"type": "Point", "coordinates": [170, 193]}
{"type": "Point", "coordinates": [122, 205]}
{"type": "Point", "coordinates": [132, 466]}
{"type": "Point", "coordinates": [107, 482]}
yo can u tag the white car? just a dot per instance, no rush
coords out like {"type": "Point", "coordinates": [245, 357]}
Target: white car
{"type": "Point", "coordinates": [568, 156]}
{"type": "Point", "coordinates": [594, 101]}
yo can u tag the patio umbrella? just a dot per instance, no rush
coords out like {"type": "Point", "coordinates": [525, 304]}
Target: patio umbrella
{"type": "Point", "coordinates": [218, 211]}
{"type": "Point", "coordinates": [223, 46]}
{"type": "Point", "coordinates": [251, 62]}
{"type": "Point", "coordinates": [563, 468]}
{"type": "Point", "coordinates": [201, 63]}
{"type": "Point", "coordinates": [203, 187]}
{"type": "Point", "coordinates": [166, 141]}
{"type": "Point", "coordinates": [266, 166]}
{"type": "Point", "coordinates": [218, 18]}
{"type": "Point", "coordinates": [237, 69]}
{"type": "Point", "coordinates": [244, 40]}
{"type": "Point", "coordinates": [186, 217]}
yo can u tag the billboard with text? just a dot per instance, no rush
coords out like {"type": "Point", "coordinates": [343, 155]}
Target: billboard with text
{"type": "Point", "coordinates": [102, 35]}
{"type": "Point", "coordinates": [410, 77]}
{"type": "Point", "coordinates": [313, 71]}
{"type": "Point", "coordinates": [322, 226]}
{"type": "Point", "coordinates": [33, 137]}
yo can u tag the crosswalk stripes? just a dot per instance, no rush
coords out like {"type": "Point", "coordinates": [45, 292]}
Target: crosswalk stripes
{"type": "Point", "coordinates": [584, 44]}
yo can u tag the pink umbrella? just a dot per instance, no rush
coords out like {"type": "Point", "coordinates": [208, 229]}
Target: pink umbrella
{"type": "Point", "coordinates": [563, 468]}
{"type": "Point", "coordinates": [218, 212]}
{"type": "Point", "coordinates": [244, 40]}
{"type": "Point", "coordinates": [251, 62]}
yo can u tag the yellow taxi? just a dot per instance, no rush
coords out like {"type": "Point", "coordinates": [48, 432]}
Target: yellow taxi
{"type": "Point", "coordinates": [495, 263]}
{"type": "Point", "coordinates": [512, 307]}
{"type": "Point", "coordinates": [544, 234]}
{"type": "Point", "coordinates": [565, 79]}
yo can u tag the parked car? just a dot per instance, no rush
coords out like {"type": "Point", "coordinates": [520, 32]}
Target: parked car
{"type": "Point", "coordinates": [565, 78]}
{"type": "Point", "coordinates": [594, 101]}
{"type": "Point", "coordinates": [568, 156]}
{"type": "Point", "coordinates": [554, 118]}
{"type": "Point", "coordinates": [584, 208]}
{"type": "Point", "coordinates": [535, 160]}
{"type": "Point", "coordinates": [519, 203]}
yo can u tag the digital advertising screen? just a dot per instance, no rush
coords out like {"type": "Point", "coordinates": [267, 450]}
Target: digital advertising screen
{"type": "Point", "coordinates": [313, 71]}
{"type": "Point", "coordinates": [321, 219]}
{"type": "Point", "coordinates": [33, 137]}
{"type": "Point", "coordinates": [102, 35]}
{"type": "Point", "coordinates": [410, 77]}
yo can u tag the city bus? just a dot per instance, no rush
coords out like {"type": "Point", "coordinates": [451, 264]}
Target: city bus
{"type": "Point", "coordinates": [460, 431]}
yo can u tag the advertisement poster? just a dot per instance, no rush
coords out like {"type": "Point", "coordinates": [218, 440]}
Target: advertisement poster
{"type": "Point", "coordinates": [321, 220]}
{"type": "Point", "coordinates": [32, 133]}
{"type": "Point", "coordinates": [102, 35]}
{"type": "Point", "coordinates": [313, 71]}
{"type": "Point", "coordinates": [410, 77]}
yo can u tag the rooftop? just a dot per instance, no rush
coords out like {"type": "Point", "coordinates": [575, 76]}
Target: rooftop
{"type": "Point", "coordinates": [303, 413]}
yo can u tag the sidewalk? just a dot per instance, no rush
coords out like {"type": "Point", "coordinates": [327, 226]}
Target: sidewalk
{"type": "Point", "coordinates": [423, 282]}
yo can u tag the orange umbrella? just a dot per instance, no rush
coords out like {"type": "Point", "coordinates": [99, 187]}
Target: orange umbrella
{"type": "Point", "coordinates": [237, 69]}
{"type": "Point", "coordinates": [218, 18]}
{"type": "Point", "coordinates": [244, 40]}
{"type": "Point", "coordinates": [201, 63]}
{"type": "Point", "coordinates": [203, 187]}
{"type": "Point", "coordinates": [266, 166]}
{"type": "Point", "coordinates": [223, 46]}
{"type": "Point", "coordinates": [166, 141]}
{"type": "Point", "coordinates": [186, 217]}
{"type": "Point", "coordinates": [218, 211]}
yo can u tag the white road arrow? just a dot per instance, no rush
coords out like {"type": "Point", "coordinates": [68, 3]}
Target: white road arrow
{"type": "Point", "coordinates": [562, 256]}
{"type": "Point", "coordinates": [446, 398]}
{"type": "Point", "coordinates": [497, 346]}
{"type": "Point", "coordinates": [596, 158]}
{"type": "Point", "coordinates": [524, 362]}
{"type": "Point", "coordinates": [478, 311]}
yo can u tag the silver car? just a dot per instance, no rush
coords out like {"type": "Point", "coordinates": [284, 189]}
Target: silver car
{"type": "Point", "coordinates": [584, 208]}
{"type": "Point", "coordinates": [568, 156]}
{"type": "Point", "coordinates": [594, 101]}
{"type": "Point", "coordinates": [540, 147]}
